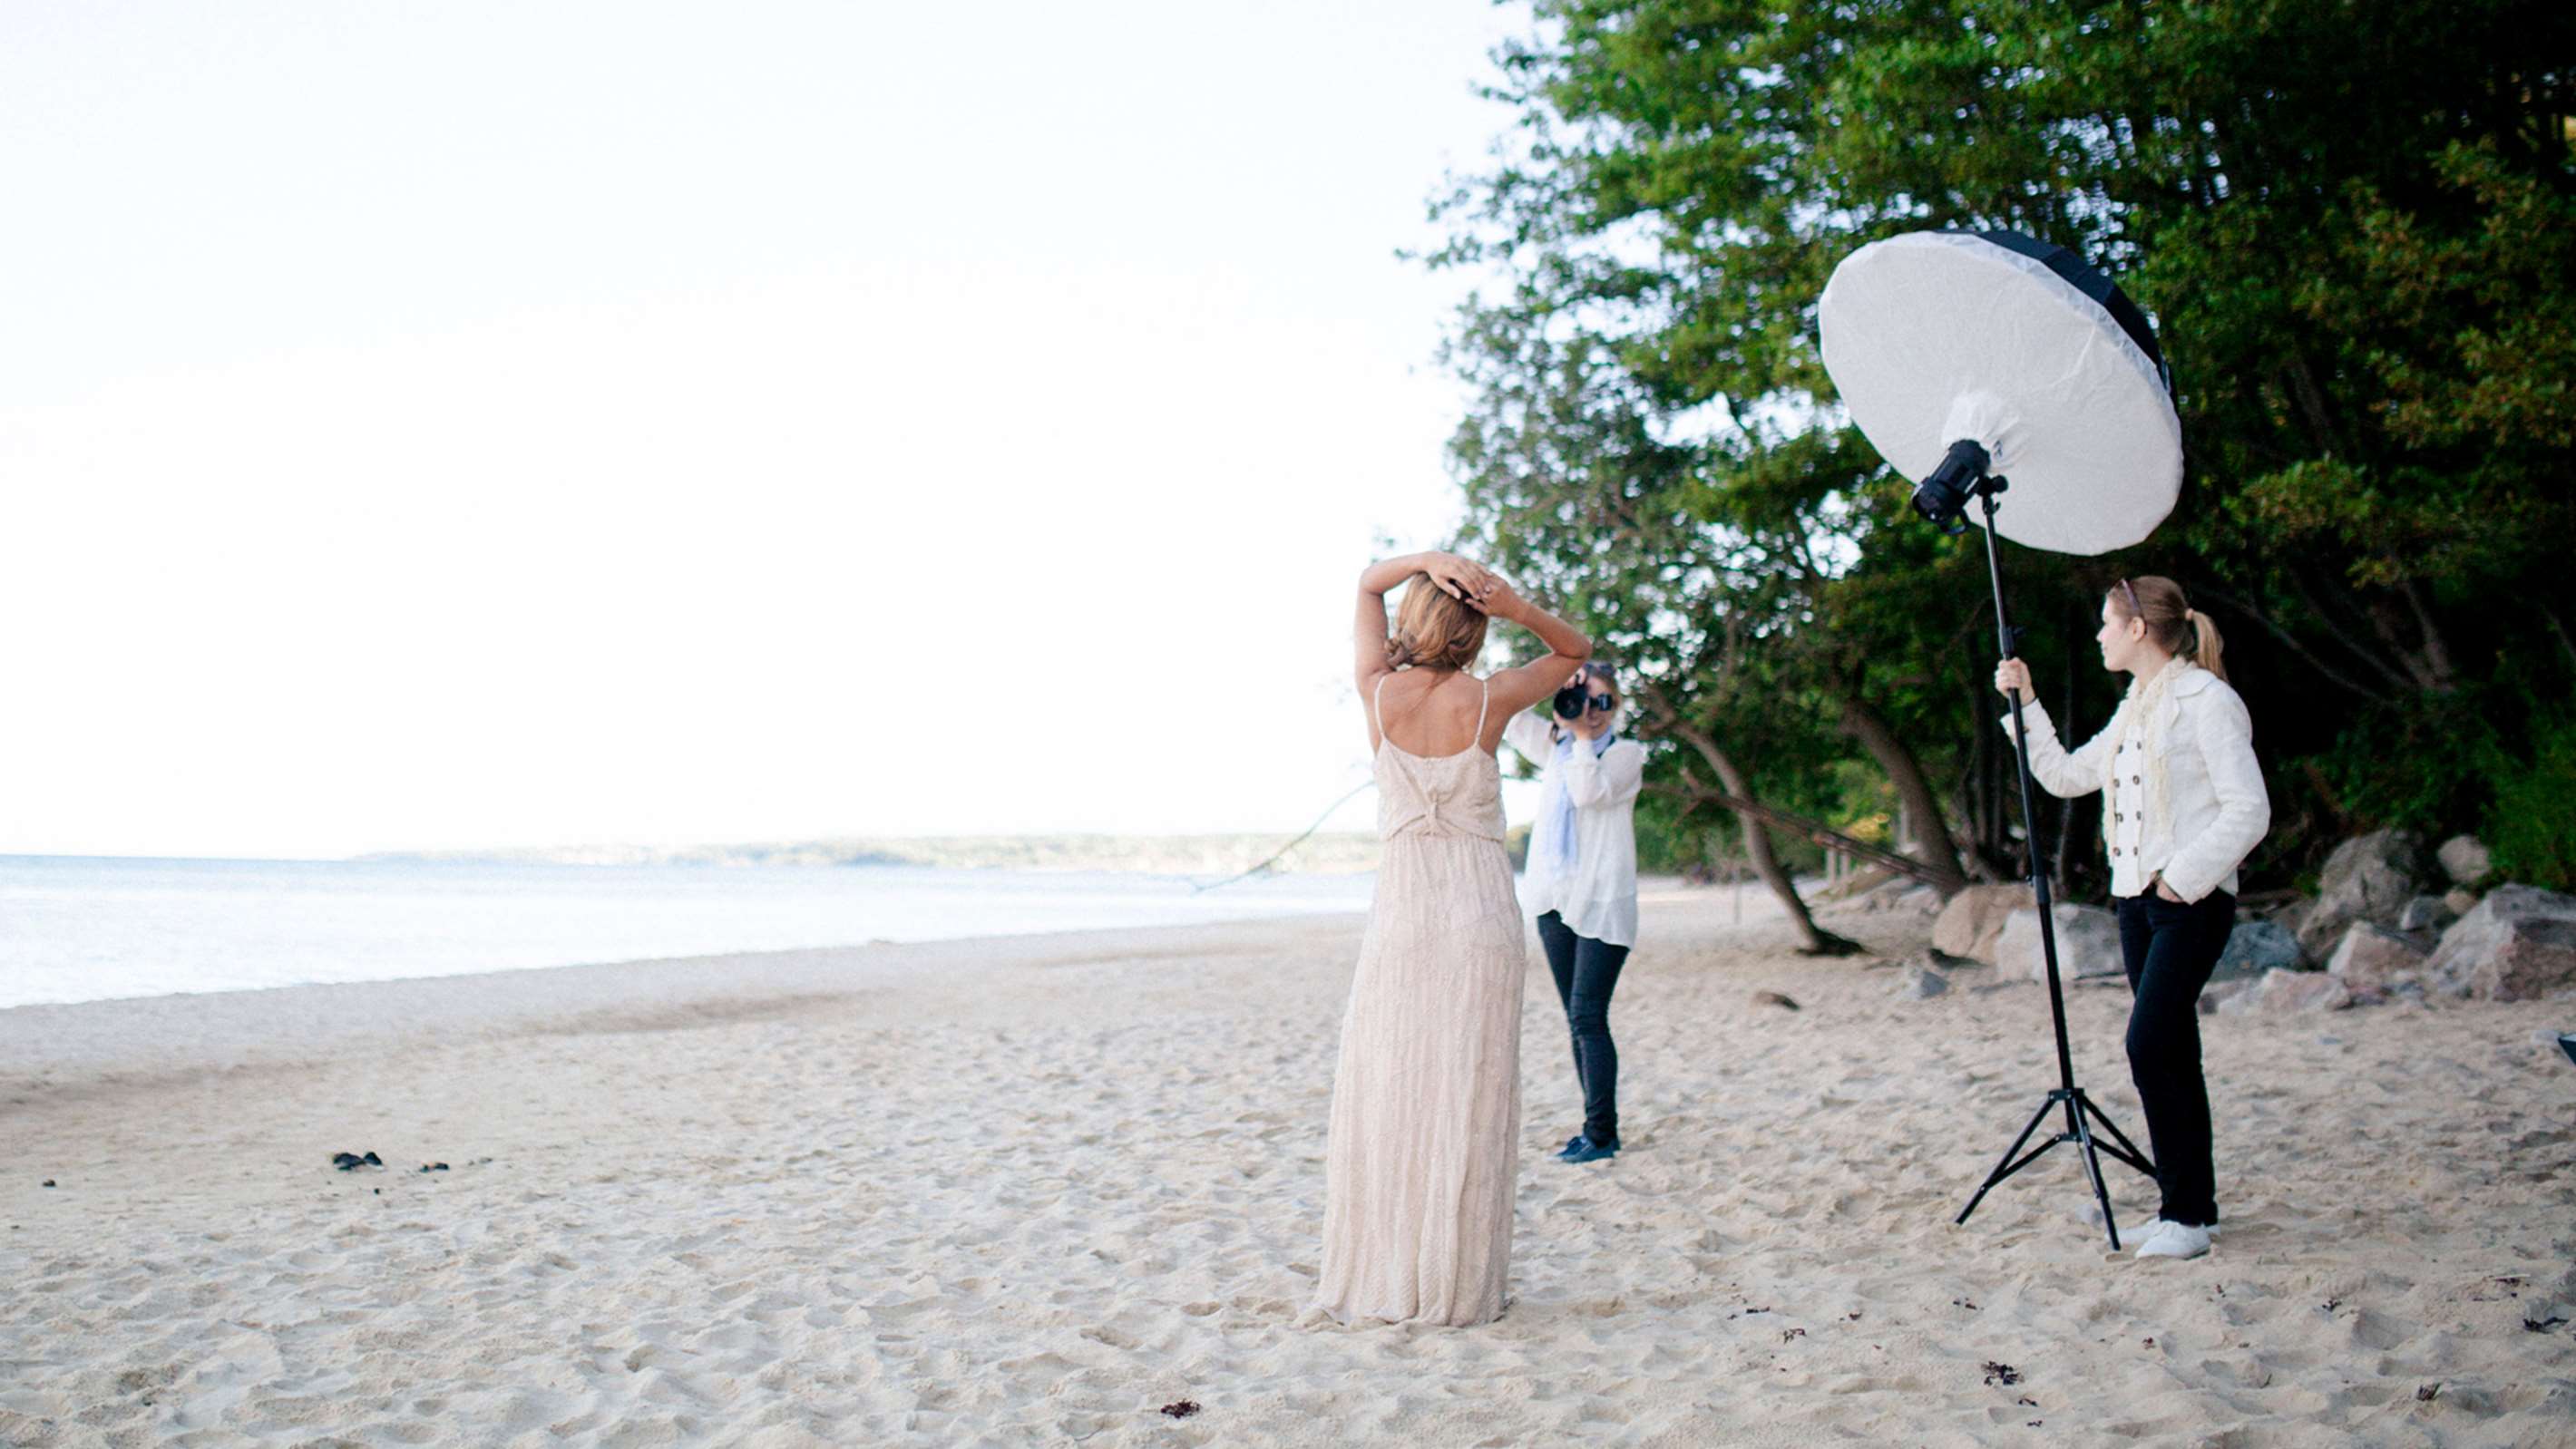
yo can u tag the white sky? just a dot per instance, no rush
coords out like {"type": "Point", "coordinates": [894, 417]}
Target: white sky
{"type": "Point", "coordinates": [463, 424]}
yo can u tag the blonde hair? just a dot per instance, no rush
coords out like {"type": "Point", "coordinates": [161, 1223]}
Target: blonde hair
{"type": "Point", "coordinates": [2175, 626]}
{"type": "Point", "coordinates": [1434, 629]}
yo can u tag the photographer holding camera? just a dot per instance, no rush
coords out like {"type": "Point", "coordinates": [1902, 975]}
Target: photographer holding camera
{"type": "Point", "coordinates": [1582, 878]}
{"type": "Point", "coordinates": [2185, 805]}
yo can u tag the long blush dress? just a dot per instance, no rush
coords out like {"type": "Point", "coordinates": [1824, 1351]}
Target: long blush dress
{"type": "Point", "coordinates": [1423, 1155]}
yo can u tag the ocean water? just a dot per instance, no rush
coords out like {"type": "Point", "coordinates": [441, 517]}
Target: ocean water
{"type": "Point", "coordinates": [88, 929]}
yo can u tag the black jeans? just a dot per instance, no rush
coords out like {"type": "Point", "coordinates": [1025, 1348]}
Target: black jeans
{"type": "Point", "coordinates": [2169, 949]}
{"type": "Point", "coordinates": [1586, 972]}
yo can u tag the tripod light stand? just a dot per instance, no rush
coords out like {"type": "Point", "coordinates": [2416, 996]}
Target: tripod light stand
{"type": "Point", "coordinates": [2068, 1097]}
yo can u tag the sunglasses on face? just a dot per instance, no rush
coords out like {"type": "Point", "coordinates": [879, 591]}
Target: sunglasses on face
{"type": "Point", "coordinates": [1602, 702]}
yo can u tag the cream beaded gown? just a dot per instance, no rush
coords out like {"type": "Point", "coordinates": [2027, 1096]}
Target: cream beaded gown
{"type": "Point", "coordinates": [1422, 1161]}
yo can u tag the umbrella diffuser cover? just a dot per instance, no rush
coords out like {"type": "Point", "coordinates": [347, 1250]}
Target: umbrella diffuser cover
{"type": "Point", "coordinates": [1937, 336]}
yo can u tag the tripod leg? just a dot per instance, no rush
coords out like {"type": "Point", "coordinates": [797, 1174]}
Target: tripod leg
{"type": "Point", "coordinates": [2093, 1170]}
{"type": "Point", "coordinates": [2005, 1165]}
{"type": "Point", "coordinates": [2126, 1150]}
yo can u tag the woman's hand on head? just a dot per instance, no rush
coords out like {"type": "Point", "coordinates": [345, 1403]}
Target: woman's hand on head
{"type": "Point", "coordinates": [2013, 677]}
{"type": "Point", "coordinates": [1461, 578]}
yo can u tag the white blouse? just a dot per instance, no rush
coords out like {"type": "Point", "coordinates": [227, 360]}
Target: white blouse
{"type": "Point", "coordinates": [1597, 896]}
{"type": "Point", "coordinates": [2213, 787]}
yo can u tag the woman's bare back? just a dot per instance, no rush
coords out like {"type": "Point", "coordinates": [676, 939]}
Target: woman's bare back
{"type": "Point", "coordinates": [1434, 712]}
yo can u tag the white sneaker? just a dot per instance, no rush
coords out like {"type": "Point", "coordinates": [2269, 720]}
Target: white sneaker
{"type": "Point", "coordinates": [2175, 1240]}
{"type": "Point", "coordinates": [2140, 1232]}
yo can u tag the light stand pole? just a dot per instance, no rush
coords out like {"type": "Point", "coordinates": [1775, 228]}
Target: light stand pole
{"type": "Point", "coordinates": [2070, 1097]}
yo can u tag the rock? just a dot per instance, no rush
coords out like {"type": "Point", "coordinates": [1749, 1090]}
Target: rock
{"type": "Point", "coordinates": [2369, 961]}
{"type": "Point", "coordinates": [2368, 878]}
{"type": "Point", "coordinates": [2461, 900]}
{"type": "Point", "coordinates": [1972, 924]}
{"type": "Point", "coordinates": [2255, 947]}
{"type": "Point", "coordinates": [1921, 983]}
{"type": "Point", "coordinates": [2282, 991]}
{"type": "Point", "coordinates": [2429, 914]}
{"type": "Point", "coordinates": [2216, 995]}
{"type": "Point", "coordinates": [2465, 859]}
{"type": "Point", "coordinates": [2088, 944]}
{"type": "Point", "coordinates": [2520, 943]}
{"type": "Point", "coordinates": [2294, 915]}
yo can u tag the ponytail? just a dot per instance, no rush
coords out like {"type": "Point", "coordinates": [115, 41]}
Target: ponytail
{"type": "Point", "coordinates": [2174, 625]}
{"type": "Point", "coordinates": [2203, 644]}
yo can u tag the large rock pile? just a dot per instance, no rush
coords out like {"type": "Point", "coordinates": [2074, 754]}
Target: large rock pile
{"type": "Point", "coordinates": [2377, 927]}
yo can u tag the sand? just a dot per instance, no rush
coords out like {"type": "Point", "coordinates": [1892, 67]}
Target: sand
{"type": "Point", "coordinates": [1030, 1191]}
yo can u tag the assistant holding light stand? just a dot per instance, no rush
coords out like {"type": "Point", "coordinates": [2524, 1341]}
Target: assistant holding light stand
{"type": "Point", "coordinates": [1964, 471]}
{"type": "Point", "coordinates": [1964, 354]}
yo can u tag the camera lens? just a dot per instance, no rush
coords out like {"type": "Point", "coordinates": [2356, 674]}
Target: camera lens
{"type": "Point", "coordinates": [1569, 702]}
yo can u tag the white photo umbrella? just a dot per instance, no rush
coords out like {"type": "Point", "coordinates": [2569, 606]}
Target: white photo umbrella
{"type": "Point", "coordinates": [1936, 337]}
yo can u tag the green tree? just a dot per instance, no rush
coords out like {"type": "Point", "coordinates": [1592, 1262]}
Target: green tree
{"type": "Point", "coordinates": [2352, 222]}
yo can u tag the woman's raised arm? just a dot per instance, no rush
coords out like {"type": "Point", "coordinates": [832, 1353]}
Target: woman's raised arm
{"type": "Point", "coordinates": [1515, 690]}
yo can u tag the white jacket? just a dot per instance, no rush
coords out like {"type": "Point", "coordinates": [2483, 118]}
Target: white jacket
{"type": "Point", "coordinates": [1598, 896]}
{"type": "Point", "coordinates": [2213, 785]}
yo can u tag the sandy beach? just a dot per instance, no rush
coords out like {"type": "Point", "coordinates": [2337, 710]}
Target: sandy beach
{"type": "Point", "coordinates": [1031, 1191]}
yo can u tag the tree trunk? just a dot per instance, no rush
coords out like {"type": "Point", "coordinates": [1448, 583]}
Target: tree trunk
{"type": "Point", "coordinates": [1813, 940]}
{"type": "Point", "coordinates": [1913, 792]}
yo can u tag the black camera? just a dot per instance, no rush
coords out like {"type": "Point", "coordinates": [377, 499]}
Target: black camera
{"type": "Point", "coordinates": [1571, 700]}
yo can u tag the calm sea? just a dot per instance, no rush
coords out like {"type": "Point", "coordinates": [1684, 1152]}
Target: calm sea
{"type": "Point", "coordinates": [83, 929]}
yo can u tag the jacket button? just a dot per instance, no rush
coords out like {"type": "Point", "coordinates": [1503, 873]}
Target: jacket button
{"type": "Point", "coordinates": [2115, 850]}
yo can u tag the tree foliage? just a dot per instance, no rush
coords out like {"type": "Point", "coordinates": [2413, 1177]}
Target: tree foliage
{"type": "Point", "coordinates": [2354, 223]}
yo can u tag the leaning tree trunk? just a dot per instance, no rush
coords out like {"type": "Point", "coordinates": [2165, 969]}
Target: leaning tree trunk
{"type": "Point", "coordinates": [1812, 940]}
{"type": "Point", "coordinates": [1932, 829]}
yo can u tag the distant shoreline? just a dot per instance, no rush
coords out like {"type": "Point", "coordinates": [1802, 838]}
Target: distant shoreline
{"type": "Point", "coordinates": [1340, 853]}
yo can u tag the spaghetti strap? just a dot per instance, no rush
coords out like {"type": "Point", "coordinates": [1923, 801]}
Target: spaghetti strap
{"type": "Point", "coordinates": [1377, 703]}
{"type": "Point", "coordinates": [1479, 741]}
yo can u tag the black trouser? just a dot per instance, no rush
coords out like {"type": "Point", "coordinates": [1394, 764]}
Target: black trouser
{"type": "Point", "coordinates": [1586, 972]}
{"type": "Point", "coordinates": [2169, 949]}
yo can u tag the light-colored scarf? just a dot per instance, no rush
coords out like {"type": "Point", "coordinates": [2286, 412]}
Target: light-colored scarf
{"type": "Point", "coordinates": [2142, 715]}
{"type": "Point", "coordinates": [1555, 804]}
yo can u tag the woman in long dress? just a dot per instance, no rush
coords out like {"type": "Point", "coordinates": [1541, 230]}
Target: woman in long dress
{"type": "Point", "coordinates": [1425, 1131]}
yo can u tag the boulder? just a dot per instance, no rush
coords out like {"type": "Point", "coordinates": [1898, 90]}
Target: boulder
{"type": "Point", "coordinates": [2293, 915]}
{"type": "Point", "coordinates": [2282, 991]}
{"type": "Point", "coordinates": [2369, 960]}
{"type": "Point", "coordinates": [2518, 944]}
{"type": "Point", "coordinates": [2215, 996]}
{"type": "Point", "coordinates": [2429, 914]}
{"type": "Point", "coordinates": [2088, 944]}
{"type": "Point", "coordinates": [2465, 860]}
{"type": "Point", "coordinates": [2368, 878]}
{"type": "Point", "coordinates": [2255, 947]}
{"type": "Point", "coordinates": [1973, 922]}
{"type": "Point", "coordinates": [2461, 900]}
